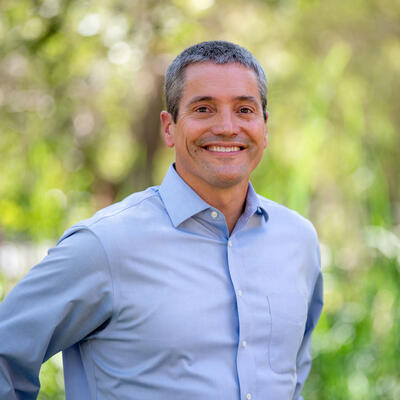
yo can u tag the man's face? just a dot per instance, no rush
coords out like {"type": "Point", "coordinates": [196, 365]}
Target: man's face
{"type": "Point", "coordinates": [220, 133]}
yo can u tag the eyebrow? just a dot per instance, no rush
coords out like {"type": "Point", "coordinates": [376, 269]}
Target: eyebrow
{"type": "Point", "coordinates": [248, 98]}
{"type": "Point", "coordinates": [200, 98]}
{"type": "Point", "coordinates": [210, 98]}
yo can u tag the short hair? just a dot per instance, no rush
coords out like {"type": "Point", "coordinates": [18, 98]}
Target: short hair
{"type": "Point", "coordinates": [218, 52]}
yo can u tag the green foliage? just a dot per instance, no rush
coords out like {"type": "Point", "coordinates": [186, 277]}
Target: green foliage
{"type": "Point", "coordinates": [52, 380]}
{"type": "Point", "coordinates": [80, 94]}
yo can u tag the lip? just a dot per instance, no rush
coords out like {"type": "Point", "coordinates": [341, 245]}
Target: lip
{"type": "Point", "coordinates": [227, 145]}
{"type": "Point", "coordinates": [213, 144]}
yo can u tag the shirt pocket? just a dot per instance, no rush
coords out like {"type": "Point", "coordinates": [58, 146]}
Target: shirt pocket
{"type": "Point", "coordinates": [288, 313]}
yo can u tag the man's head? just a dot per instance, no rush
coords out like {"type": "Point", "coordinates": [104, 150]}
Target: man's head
{"type": "Point", "coordinates": [217, 52]}
{"type": "Point", "coordinates": [216, 118]}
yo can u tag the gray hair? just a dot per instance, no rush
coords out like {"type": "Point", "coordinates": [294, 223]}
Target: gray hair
{"type": "Point", "coordinates": [217, 52]}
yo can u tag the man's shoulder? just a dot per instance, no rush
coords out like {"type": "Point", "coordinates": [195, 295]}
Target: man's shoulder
{"type": "Point", "coordinates": [116, 215]}
{"type": "Point", "coordinates": [126, 206]}
{"type": "Point", "coordinates": [286, 217]}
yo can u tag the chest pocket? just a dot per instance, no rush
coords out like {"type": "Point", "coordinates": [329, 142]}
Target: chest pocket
{"type": "Point", "coordinates": [288, 314]}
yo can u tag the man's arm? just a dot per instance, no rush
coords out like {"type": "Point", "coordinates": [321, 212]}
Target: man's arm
{"type": "Point", "coordinates": [303, 363]}
{"type": "Point", "coordinates": [58, 303]}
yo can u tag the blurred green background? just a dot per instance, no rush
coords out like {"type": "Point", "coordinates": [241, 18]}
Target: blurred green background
{"type": "Point", "coordinates": [80, 96]}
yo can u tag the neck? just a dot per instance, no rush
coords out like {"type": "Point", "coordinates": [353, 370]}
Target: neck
{"type": "Point", "coordinates": [230, 201]}
{"type": "Point", "coordinates": [231, 204]}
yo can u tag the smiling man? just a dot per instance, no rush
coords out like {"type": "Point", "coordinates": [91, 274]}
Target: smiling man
{"type": "Point", "coordinates": [195, 289]}
{"type": "Point", "coordinates": [219, 133]}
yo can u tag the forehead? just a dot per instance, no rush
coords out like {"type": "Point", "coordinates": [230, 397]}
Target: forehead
{"type": "Point", "coordinates": [220, 81]}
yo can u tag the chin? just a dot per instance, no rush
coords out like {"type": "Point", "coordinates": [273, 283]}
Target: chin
{"type": "Point", "coordinates": [225, 180]}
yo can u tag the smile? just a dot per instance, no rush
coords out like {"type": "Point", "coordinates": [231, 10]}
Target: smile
{"type": "Point", "coordinates": [223, 149]}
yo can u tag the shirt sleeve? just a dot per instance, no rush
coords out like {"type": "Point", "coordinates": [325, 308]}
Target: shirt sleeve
{"type": "Point", "coordinates": [303, 363]}
{"type": "Point", "coordinates": [58, 303]}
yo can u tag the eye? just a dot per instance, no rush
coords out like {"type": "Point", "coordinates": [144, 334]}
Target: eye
{"type": "Point", "coordinates": [245, 110]}
{"type": "Point", "coordinates": [202, 109]}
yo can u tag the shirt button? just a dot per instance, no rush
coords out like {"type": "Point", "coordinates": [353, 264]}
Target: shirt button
{"type": "Point", "coordinates": [244, 343]}
{"type": "Point", "coordinates": [214, 214]}
{"type": "Point", "coordinates": [240, 293]}
{"type": "Point", "coordinates": [229, 243]}
{"type": "Point", "coordinates": [248, 396]}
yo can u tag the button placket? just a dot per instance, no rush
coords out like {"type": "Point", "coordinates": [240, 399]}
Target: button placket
{"type": "Point", "coordinates": [245, 358]}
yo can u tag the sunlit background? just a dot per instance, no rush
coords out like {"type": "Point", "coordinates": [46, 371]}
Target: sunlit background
{"type": "Point", "coordinates": [80, 96]}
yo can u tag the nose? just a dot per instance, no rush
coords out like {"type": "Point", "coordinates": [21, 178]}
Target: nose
{"type": "Point", "coordinates": [225, 124]}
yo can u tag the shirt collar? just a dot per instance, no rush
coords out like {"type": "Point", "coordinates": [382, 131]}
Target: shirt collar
{"type": "Point", "coordinates": [253, 204]}
{"type": "Point", "coordinates": [182, 202]}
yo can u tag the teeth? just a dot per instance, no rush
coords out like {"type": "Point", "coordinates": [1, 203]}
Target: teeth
{"type": "Point", "coordinates": [223, 148]}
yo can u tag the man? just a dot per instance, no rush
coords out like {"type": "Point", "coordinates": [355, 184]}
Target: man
{"type": "Point", "coordinates": [195, 289]}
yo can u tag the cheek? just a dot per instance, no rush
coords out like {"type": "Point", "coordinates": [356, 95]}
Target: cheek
{"type": "Point", "coordinates": [259, 135]}
{"type": "Point", "coordinates": [192, 134]}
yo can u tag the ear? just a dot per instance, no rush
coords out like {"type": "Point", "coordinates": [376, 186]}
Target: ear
{"type": "Point", "coordinates": [168, 127]}
{"type": "Point", "coordinates": [266, 129]}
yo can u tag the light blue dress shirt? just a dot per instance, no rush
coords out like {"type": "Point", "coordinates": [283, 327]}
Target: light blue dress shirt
{"type": "Point", "coordinates": [151, 298]}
